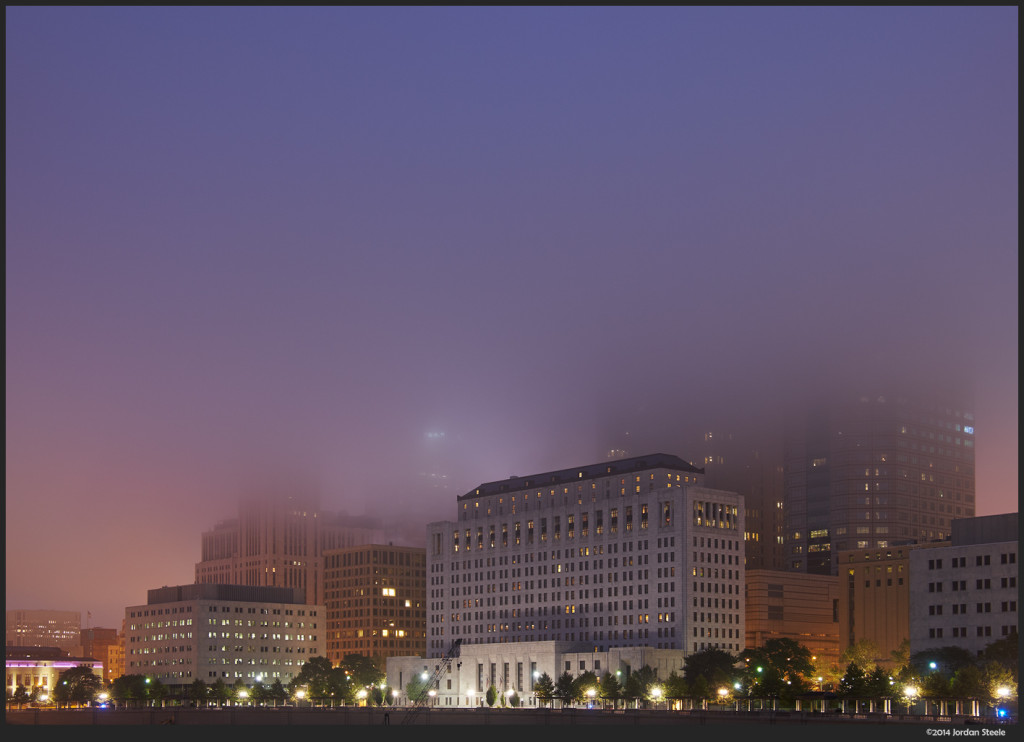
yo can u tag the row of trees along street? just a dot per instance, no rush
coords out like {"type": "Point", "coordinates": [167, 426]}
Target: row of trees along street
{"type": "Point", "coordinates": [779, 673]}
{"type": "Point", "coordinates": [783, 671]}
{"type": "Point", "coordinates": [355, 679]}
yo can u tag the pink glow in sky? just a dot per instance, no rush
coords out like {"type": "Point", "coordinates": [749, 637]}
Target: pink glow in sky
{"type": "Point", "coordinates": [355, 249]}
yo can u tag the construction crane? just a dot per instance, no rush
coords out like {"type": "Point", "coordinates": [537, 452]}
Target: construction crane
{"type": "Point", "coordinates": [442, 668]}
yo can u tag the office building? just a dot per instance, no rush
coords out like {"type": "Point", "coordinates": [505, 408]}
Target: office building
{"type": "Point", "coordinates": [751, 464]}
{"type": "Point", "coordinates": [872, 471]}
{"type": "Point", "coordinates": [874, 597]}
{"type": "Point", "coordinates": [96, 643]}
{"type": "Point", "coordinates": [791, 605]}
{"type": "Point", "coordinates": [965, 594]}
{"type": "Point", "coordinates": [44, 628]}
{"type": "Point", "coordinates": [376, 601]}
{"type": "Point", "coordinates": [279, 542]}
{"type": "Point", "coordinates": [629, 552]}
{"type": "Point", "coordinates": [222, 632]}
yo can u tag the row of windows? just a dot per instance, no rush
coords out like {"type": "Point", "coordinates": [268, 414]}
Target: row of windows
{"type": "Point", "coordinates": [980, 560]}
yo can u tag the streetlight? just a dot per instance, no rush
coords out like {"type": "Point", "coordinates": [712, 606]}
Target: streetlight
{"type": "Point", "coordinates": [656, 693]}
{"type": "Point", "coordinates": [909, 694]}
{"type": "Point", "coordinates": [469, 696]}
{"type": "Point", "coordinates": [591, 693]}
{"type": "Point", "coordinates": [432, 693]}
{"type": "Point", "coordinates": [299, 695]}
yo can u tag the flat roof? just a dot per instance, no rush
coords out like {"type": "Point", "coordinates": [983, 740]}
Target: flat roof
{"type": "Point", "coordinates": [583, 473]}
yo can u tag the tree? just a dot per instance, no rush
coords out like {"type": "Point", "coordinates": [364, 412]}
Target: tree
{"type": "Point", "coordinates": [610, 687]}
{"type": "Point", "coordinates": [853, 684]}
{"type": "Point", "coordinates": [219, 692]}
{"type": "Point", "coordinates": [877, 684]}
{"type": "Point", "coordinates": [715, 665]}
{"type": "Point", "coordinates": [544, 688]}
{"type": "Point", "coordinates": [239, 691]}
{"type": "Point", "coordinates": [363, 670]}
{"type": "Point", "coordinates": [862, 654]}
{"type": "Point", "coordinates": [277, 692]}
{"type": "Point", "coordinates": [259, 693]}
{"type": "Point", "coordinates": [156, 691]}
{"type": "Point", "coordinates": [565, 688]}
{"type": "Point", "coordinates": [129, 690]}
{"type": "Point", "coordinates": [417, 687]}
{"type": "Point", "coordinates": [197, 692]}
{"type": "Point", "coordinates": [316, 675]}
{"type": "Point", "coordinates": [21, 696]}
{"type": "Point", "coordinates": [585, 681]}
{"type": "Point", "coordinates": [1003, 652]}
{"type": "Point", "coordinates": [968, 683]}
{"type": "Point", "coordinates": [676, 686]}
{"type": "Point", "coordinates": [78, 685]}
{"type": "Point", "coordinates": [491, 696]}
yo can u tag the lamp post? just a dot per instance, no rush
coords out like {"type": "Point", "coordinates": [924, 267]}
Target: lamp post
{"type": "Point", "coordinates": [656, 695]}
{"type": "Point", "coordinates": [910, 693]}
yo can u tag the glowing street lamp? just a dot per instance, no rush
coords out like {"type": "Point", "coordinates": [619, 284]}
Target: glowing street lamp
{"type": "Point", "coordinates": [299, 695]}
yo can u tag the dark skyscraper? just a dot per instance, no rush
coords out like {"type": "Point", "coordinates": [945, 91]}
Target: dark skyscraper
{"type": "Point", "coordinates": [873, 471]}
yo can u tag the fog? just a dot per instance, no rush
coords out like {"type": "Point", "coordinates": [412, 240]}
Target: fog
{"type": "Point", "coordinates": [382, 256]}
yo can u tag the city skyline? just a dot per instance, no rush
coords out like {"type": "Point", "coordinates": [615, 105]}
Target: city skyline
{"type": "Point", "coordinates": [385, 255]}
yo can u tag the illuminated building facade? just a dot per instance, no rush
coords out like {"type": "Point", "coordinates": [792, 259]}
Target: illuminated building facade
{"type": "Point", "coordinates": [872, 472]}
{"type": "Point", "coordinates": [222, 632]}
{"type": "Point", "coordinates": [376, 601]}
{"type": "Point", "coordinates": [628, 552]}
{"type": "Point", "coordinates": [790, 605]}
{"type": "Point", "coordinates": [39, 667]}
{"type": "Point", "coordinates": [965, 594]}
{"type": "Point", "coordinates": [44, 628]}
{"type": "Point", "coordinates": [279, 543]}
{"type": "Point", "coordinates": [516, 667]}
{"type": "Point", "coordinates": [874, 597]}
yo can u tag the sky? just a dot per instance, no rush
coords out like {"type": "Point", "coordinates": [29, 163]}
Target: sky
{"type": "Point", "coordinates": [382, 255]}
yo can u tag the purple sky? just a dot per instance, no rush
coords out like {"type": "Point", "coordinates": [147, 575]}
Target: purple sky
{"type": "Point", "coordinates": [346, 247]}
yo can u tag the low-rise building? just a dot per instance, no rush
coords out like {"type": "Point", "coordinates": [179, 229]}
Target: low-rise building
{"type": "Point", "coordinates": [39, 667]}
{"type": "Point", "coordinates": [222, 632]}
{"type": "Point", "coordinates": [516, 666]}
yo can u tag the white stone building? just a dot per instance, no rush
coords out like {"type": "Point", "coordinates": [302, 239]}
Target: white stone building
{"type": "Point", "coordinates": [517, 666]}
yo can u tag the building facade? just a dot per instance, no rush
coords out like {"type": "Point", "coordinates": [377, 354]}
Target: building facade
{"type": "Point", "coordinates": [222, 632]}
{"type": "Point", "coordinates": [516, 667]}
{"type": "Point", "coordinates": [96, 643]}
{"type": "Point", "coordinates": [39, 667]}
{"type": "Point", "coordinates": [791, 605]}
{"type": "Point", "coordinates": [874, 597]}
{"type": "Point", "coordinates": [873, 471]}
{"type": "Point", "coordinates": [44, 628]}
{"type": "Point", "coordinates": [376, 601]}
{"type": "Point", "coordinates": [628, 552]}
{"type": "Point", "coordinates": [966, 594]}
{"type": "Point", "coordinates": [279, 542]}
{"type": "Point", "coordinates": [751, 464]}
